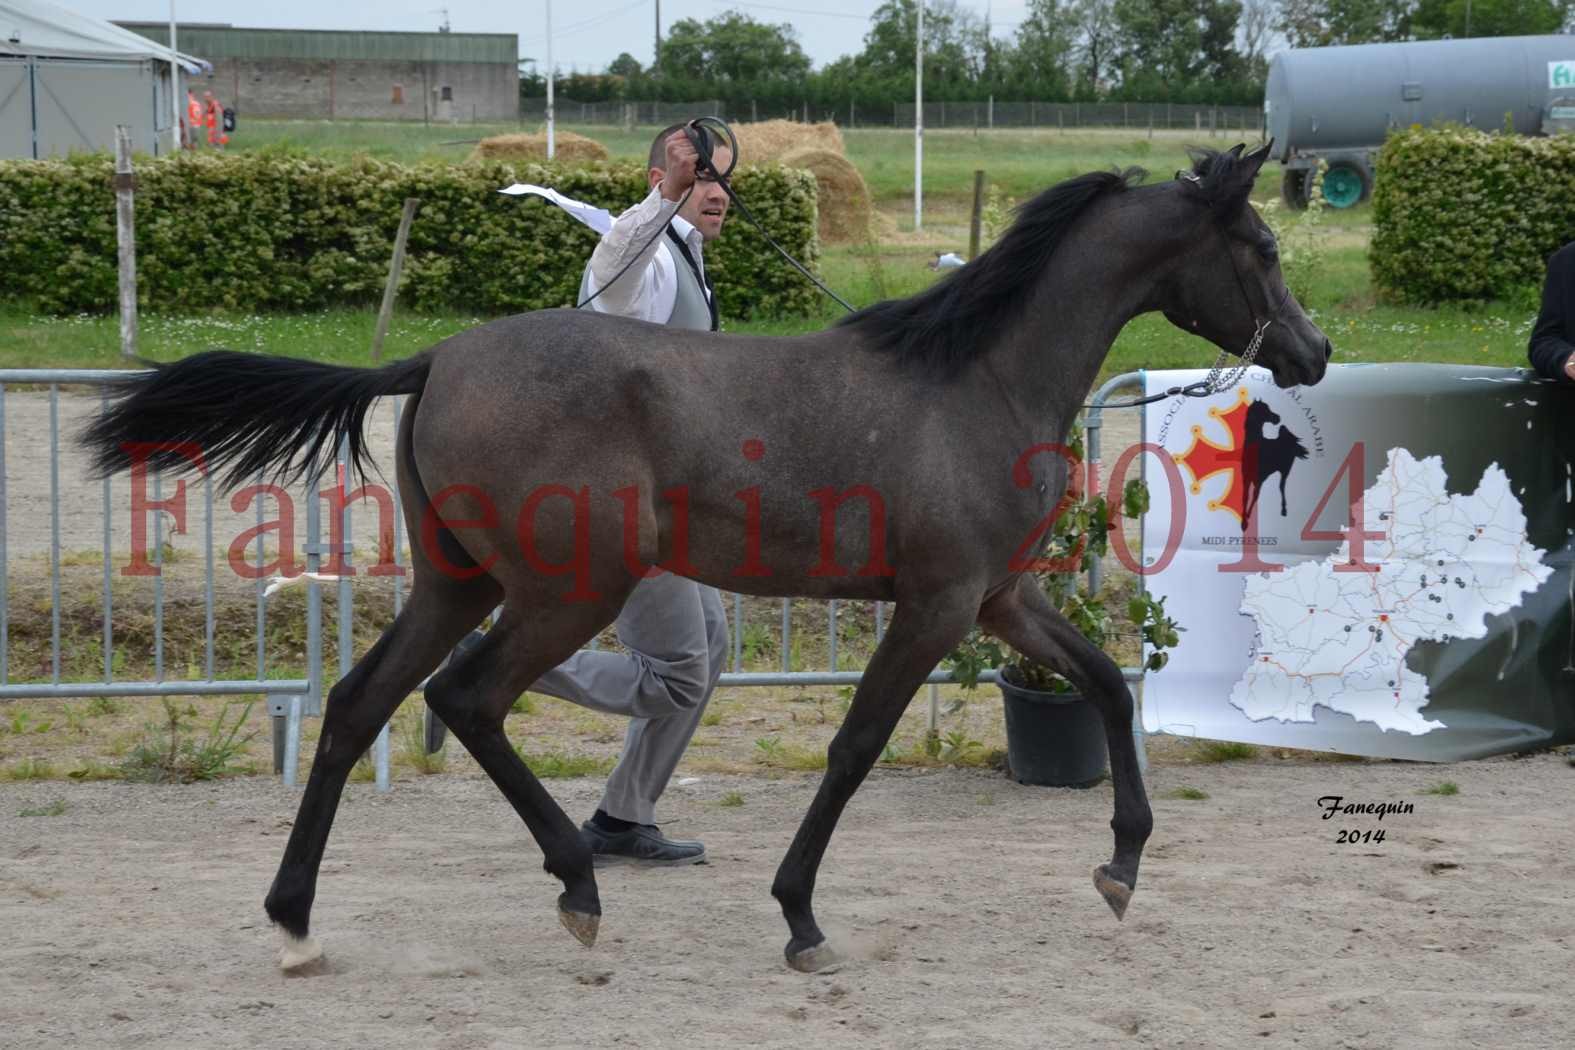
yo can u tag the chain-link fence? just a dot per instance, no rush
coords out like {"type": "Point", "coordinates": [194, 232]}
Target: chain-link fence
{"type": "Point", "coordinates": [1134, 115]}
{"type": "Point", "coordinates": [1199, 119]}
{"type": "Point", "coordinates": [622, 114]}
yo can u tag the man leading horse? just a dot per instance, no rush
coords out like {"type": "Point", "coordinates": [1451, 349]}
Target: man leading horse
{"type": "Point", "coordinates": [651, 266]}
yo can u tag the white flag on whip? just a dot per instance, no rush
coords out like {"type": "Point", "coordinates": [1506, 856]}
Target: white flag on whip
{"type": "Point", "coordinates": [598, 219]}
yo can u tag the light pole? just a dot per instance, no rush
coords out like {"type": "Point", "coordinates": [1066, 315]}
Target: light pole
{"type": "Point", "coordinates": [918, 122]}
{"type": "Point", "coordinates": [550, 118]}
{"type": "Point", "coordinates": [175, 106]}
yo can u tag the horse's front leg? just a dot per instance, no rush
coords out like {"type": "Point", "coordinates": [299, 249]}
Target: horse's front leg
{"type": "Point", "coordinates": [1024, 618]}
{"type": "Point", "coordinates": [1284, 476]}
{"type": "Point", "coordinates": [923, 630]}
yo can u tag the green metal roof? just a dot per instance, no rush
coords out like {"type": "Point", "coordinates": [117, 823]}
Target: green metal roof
{"type": "Point", "coordinates": [229, 42]}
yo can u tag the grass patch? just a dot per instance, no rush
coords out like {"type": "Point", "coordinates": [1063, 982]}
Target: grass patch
{"type": "Point", "coordinates": [100, 706]}
{"type": "Point", "coordinates": [169, 753]}
{"type": "Point", "coordinates": [1191, 794]}
{"type": "Point", "coordinates": [411, 736]}
{"type": "Point", "coordinates": [1223, 751]}
{"type": "Point", "coordinates": [29, 769]}
{"type": "Point", "coordinates": [772, 752]}
{"type": "Point", "coordinates": [556, 764]}
{"type": "Point", "coordinates": [525, 705]}
{"type": "Point", "coordinates": [712, 716]}
{"type": "Point", "coordinates": [1446, 787]}
{"type": "Point", "coordinates": [54, 809]}
{"type": "Point", "coordinates": [731, 799]}
{"type": "Point", "coordinates": [92, 769]}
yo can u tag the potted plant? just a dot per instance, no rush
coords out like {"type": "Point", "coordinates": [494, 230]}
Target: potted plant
{"type": "Point", "coordinates": [1054, 736]}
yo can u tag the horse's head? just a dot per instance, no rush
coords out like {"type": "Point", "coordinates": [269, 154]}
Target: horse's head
{"type": "Point", "coordinates": [1259, 414]}
{"type": "Point", "coordinates": [1228, 287]}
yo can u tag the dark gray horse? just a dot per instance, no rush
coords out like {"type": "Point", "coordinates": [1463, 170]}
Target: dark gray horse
{"type": "Point", "coordinates": [543, 457]}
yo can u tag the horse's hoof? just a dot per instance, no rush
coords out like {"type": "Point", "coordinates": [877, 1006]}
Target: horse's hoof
{"type": "Point", "coordinates": [581, 924]}
{"type": "Point", "coordinates": [813, 959]}
{"type": "Point", "coordinates": [301, 957]}
{"type": "Point", "coordinates": [1117, 894]}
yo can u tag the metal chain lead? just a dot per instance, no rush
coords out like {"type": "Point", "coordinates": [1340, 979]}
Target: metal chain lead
{"type": "Point", "coordinates": [1212, 385]}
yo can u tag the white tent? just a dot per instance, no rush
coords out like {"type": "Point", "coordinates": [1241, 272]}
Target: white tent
{"type": "Point", "coordinates": [66, 80]}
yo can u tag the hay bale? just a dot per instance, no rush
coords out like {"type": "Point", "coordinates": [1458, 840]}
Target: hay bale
{"type": "Point", "coordinates": [569, 148]}
{"type": "Point", "coordinates": [767, 141]}
{"type": "Point", "coordinates": [844, 199]}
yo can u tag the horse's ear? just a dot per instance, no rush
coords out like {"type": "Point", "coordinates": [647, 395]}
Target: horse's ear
{"type": "Point", "coordinates": [1233, 194]}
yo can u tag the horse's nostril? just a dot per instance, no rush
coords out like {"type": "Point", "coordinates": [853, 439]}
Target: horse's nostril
{"type": "Point", "coordinates": [1328, 349]}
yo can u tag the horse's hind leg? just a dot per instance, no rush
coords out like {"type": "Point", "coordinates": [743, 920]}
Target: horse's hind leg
{"type": "Point", "coordinates": [922, 632]}
{"type": "Point", "coordinates": [358, 705]}
{"type": "Point", "coordinates": [1024, 618]}
{"type": "Point", "coordinates": [474, 694]}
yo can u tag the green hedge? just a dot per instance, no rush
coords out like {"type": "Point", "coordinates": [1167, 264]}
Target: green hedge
{"type": "Point", "coordinates": [1462, 214]}
{"type": "Point", "coordinates": [274, 232]}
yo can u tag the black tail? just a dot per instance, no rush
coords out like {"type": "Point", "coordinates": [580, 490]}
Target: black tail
{"type": "Point", "coordinates": [247, 414]}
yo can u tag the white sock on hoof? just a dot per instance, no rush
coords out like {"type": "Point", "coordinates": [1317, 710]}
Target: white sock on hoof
{"type": "Point", "coordinates": [299, 952]}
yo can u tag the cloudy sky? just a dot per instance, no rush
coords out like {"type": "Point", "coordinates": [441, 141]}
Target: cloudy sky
{"type": "Point", "coordinates": [587, 34]}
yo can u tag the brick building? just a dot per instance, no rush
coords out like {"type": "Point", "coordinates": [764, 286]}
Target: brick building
{"type": "Point", "coordinates": [329, 74]}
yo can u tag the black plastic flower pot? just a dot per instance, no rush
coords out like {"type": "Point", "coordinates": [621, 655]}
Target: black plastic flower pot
{"type": "Point", "coordinates": [1053, 739]}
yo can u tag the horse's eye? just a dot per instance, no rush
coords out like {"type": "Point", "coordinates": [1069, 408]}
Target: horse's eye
{"type": "Point", "coordinates": [1268, 249]}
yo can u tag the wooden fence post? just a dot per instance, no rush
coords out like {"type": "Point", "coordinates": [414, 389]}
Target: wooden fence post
{"type": "Point", "coordinates": [396, 264]}
{"type": "Point", "coordinates": [126, 238]}
{"type": "Point", "coordinates": [978, 214]}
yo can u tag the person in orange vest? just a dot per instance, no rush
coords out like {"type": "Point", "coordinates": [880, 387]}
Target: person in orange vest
{"type": "Point", "coordinates": [193, 120]}
{"type": "Point", "coordinates": [213, 121]}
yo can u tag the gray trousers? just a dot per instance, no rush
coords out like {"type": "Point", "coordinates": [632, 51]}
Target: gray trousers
{"type": "Point", "coordinates": [675, 631]}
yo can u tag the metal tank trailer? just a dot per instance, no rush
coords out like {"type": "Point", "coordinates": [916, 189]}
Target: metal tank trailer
{"type": "Point", "coordinates": [1338, 103]}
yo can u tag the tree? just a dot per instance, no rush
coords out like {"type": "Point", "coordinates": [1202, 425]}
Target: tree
{"type": "Point", "coordinates": [1319, 23]}
{"type": "Point", "coordinates": [734, 49]}
{"type": "Point", "coordinates": [1095, 25]}
{"type": "Point", "coordinates": [1257, 23]}
{"type": "Point", "coordinates": [625, 65]}
{"type": "Point", "coordinates": [954, 46]}
{"type": "Point", "coordinates": [1439, 18]}
{"type": "Point", "coordinates": [1042, 56]}
{"type": "Point", "coordinates": [1169, 46]}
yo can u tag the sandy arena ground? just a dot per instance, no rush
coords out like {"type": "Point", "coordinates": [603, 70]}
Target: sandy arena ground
{"type": "Point", "coordinates": [962, 900]}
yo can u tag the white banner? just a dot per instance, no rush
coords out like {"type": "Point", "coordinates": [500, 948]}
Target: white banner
{"type": "Point", "coordinates": [1363, 566]}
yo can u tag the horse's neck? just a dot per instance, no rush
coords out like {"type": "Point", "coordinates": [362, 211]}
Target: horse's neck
{"type": "Point", "coordinates": [1050, 358]}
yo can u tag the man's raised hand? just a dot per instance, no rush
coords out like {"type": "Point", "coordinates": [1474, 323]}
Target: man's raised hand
{"type": "Point", "coordinates": [679, 174]}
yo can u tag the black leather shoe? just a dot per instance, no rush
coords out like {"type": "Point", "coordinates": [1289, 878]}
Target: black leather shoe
{"type": "Point", "coordinates": [641, 844]}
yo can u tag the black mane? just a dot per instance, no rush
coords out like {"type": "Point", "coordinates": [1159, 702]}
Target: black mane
{"type": "Point", "coordinates": [955, 320]}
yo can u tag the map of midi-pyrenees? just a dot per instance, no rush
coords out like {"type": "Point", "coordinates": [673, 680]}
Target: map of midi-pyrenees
{"type": "Point", "coordinates": [1340, 639]}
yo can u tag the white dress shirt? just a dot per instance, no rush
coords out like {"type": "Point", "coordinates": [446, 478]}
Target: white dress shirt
{"type": "Point", "coordinates": [649, 289]}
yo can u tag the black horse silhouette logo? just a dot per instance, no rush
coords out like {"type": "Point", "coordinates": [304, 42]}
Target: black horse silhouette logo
{"type": "Point", "coordinates": [1264, 457]}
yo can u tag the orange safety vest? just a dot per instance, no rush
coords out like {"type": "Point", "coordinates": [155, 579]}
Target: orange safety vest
{"type": "Point", "coordinates": [193, 118]}
{"type": "Point", "coordinates": [213, 122]}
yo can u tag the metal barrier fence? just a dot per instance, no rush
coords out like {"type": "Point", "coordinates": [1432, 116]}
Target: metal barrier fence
{"type": "Point", "coordinates": [292, 699]}
{"type": "Point", "coordinates": [1198, 118]}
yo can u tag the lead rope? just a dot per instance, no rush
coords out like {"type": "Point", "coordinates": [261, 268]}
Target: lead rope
{"type": "Point", "coordinates": [1208, 386]}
